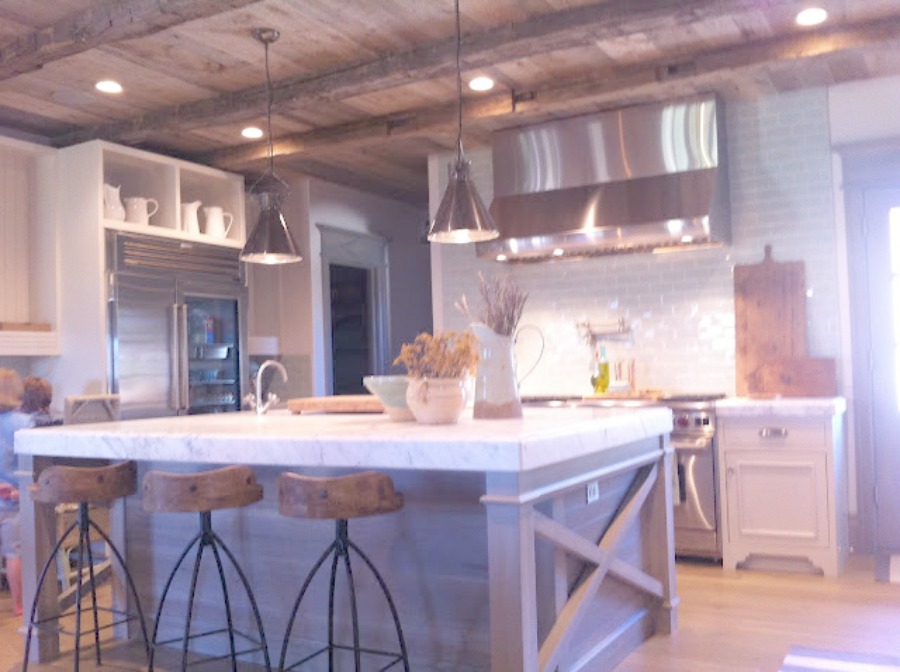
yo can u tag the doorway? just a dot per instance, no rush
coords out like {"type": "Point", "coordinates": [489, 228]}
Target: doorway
{"type": "Point", "coordinates": [356, 310]}
{"type": "Point", "coordinates": [882, 232]}
{"type": "Point", "coordinates": [351, 333]}
{"type": "Point", "coordinates": [872, 197]}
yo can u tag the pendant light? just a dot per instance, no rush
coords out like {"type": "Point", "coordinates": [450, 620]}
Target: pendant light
{"type": "Point", "coordinates": [461, 216]}
{"type": "Point", "coordinates": [271, 241]}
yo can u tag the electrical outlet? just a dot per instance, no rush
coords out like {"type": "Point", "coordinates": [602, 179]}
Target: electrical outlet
{"type": "Point", "coordinates": [593, 492]}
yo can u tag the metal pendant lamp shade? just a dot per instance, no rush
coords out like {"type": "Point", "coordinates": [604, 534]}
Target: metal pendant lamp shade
{"type": "Point", "coordinates": [270, 241]}
{"type": "Point", "coordinates": [461, 216]}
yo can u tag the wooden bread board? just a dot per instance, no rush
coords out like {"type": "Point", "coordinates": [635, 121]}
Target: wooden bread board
{"type": "Point", "coordinates": [770, 316]}
{"type": "Point", "coordinates": [342, 403]}
{"type": "Point", "coordinates": [794, 377]}
{"type": "Point", "coordinates": [24, 326]}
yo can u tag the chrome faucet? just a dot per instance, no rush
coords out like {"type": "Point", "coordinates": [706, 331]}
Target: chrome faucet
{"type": "Point", "coordinates": [255, 399]}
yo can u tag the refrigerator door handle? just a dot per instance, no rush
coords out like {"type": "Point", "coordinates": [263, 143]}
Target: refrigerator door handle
{"type": "Point", "coordinates": [183, 359]}
{"type": "Point", "coordinates": [175, 360]}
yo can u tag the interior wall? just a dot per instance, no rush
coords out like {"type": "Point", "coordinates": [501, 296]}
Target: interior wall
{"type": "Point", "coordinates": [680, 306]}
{"type": "Point", "coordinates": [409, 281]}
{"type": "Point", "coordinates": [280, 303]}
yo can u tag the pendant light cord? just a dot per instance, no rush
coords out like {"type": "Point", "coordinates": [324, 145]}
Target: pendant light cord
{"type": "Point", "coordinates": [459, 149]}
{"type": "Point", "coordinates": [269, 99]}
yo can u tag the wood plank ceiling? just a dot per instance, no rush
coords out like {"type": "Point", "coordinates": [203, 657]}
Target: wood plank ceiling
{"type": "Point", "coordinates": [364, 90]}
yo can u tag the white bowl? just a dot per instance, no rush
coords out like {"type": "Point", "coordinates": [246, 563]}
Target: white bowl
{"type": "Point", "coordinates": [391, 390]}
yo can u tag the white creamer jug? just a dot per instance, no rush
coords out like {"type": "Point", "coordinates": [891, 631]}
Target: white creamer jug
{"type": "Point", "coordinates": [215, 221]}
{"type": "Point", "coordinates": [189, 220]}
{"type": "Point", "coordinates": [112, 203]}
{"type": "Point", "coordinates": [139, 210]}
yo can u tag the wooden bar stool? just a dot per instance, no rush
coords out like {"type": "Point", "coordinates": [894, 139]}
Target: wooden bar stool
{"type": "Point", "coordinates": [61, 484]}
{"type": "Point", "coordinates": [225, 488]}
{"type": "Point", "coordinates": [340, 498]}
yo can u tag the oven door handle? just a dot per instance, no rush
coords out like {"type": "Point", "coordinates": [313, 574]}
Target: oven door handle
{"type": "Point", "coordinates": [696, 443]}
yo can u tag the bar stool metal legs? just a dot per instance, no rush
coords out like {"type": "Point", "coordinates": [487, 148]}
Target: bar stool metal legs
{"type": "Point", "coordinates": [65, 484]}
{"type": "Point", "coordinates": [341, 498]}
{"type": "Point", "coordinates": [217, 489]}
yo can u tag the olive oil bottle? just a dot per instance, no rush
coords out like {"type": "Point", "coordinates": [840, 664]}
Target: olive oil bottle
{"type": "Point", "coordinates": [600, 379]}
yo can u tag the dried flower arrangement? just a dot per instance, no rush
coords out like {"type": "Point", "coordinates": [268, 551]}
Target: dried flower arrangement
{"type": "Point", "coordinates": [502, 303]}
{"type": "Point", "coordinates": [450, 354]}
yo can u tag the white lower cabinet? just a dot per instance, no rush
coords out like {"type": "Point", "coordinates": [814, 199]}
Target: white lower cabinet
{"type": "Point", "coordinates": [783, 483]}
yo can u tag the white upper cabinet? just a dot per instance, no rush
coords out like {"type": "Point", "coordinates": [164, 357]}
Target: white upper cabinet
{"type": "Point", "coordinates": [54, 213]}
{"type": "Point", "coordinates": [28, 250]}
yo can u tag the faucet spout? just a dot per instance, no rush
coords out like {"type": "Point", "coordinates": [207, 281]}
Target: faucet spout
{"type": "Point", "coordinates": [263, 406]}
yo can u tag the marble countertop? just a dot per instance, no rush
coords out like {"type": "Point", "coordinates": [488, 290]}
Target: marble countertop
{"type": "Point", "coordinates": [783, 406]}
{"type": "Point", "coordinates": [544, 436]}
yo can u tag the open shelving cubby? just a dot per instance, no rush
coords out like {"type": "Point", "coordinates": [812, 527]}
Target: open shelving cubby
{"type": "Point", "coordinates": [172, 182]}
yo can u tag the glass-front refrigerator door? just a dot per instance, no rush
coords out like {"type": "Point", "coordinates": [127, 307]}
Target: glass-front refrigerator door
{"type": "Point", "coordinates": [214, 352]}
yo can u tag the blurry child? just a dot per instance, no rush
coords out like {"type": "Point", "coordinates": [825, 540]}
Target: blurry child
{"type": "Point", "coordinates": [36, 398]}
{"type": "Point", "coordinates": [11, 420]}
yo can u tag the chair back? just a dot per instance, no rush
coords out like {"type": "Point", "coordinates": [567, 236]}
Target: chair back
{"type": "Point", "coordinates": [91, 408]}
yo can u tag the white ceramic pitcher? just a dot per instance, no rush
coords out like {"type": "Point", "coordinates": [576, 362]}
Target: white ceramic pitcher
{"type": "Point", "coordinates": [139, 210]}
{"type": "Point", "coordinates": [112, 203]}
{"type": "Point", "coordinates": [189, 220]}
{"type": "Point", "coordinates": [496, 387]}
{"type": "Point", "coordinates": [215, 221]}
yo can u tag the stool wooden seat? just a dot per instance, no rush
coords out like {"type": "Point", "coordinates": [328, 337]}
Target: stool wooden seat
{"type": "Point", "coordinates": [341, 498]}
{"type": "Point", "coordinates": [225, 488]}
{"type": "Point", "coordinates": [370, 493]}
{"type": "Point", "coordinates": [63, 484]}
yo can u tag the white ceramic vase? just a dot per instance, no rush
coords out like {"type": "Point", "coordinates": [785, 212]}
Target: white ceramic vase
{"type": "Point", "coordinates": [436, 401]}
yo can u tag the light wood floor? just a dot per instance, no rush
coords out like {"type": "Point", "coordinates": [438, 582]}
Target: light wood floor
{"type": "Point", "coordinates": [745, 621]}
{"type": "Point", "coordinates": [729, 621]}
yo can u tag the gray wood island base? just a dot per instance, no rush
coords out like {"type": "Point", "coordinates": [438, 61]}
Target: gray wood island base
{"type": "Point", "coordinates": [539, 543]}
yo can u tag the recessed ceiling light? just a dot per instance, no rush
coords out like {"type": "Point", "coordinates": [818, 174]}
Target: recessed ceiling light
{"type": "Point", "coordinates": [108, 86]}
{"type": "Point", "coordinates": [811, 16]}
{"type": "Point", "coordinates": [252, 133]}
{"type": "Point", "coordinates": [481, 83]}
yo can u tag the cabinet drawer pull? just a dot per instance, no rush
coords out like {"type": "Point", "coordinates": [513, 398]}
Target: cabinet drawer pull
{"type": "Point", "coordinates": [773, 432]}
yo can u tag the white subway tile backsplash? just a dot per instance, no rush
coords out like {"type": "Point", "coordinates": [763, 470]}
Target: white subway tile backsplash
{"type": "Point", "coordinates": [681, 306]}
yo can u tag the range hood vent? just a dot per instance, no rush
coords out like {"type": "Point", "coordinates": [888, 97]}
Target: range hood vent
{"type": "Point", "coordinates": [648, 178]}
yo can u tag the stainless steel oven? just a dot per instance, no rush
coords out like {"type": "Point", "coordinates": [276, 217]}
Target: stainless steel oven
{"type": "Point", "coordinates": [695, 488]}
{"type": "Point", "coordinates": [695, 495]}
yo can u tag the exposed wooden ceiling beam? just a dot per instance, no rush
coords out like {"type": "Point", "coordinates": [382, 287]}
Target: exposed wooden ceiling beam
{"type": "Point", "coordinates": [93, 27]}
{"type": "Point", "coordinates": [540, 34]}
{"type": "Point", "coordinates": [618, 86]}
{"type": "Point", "coordinates": [411, 123]}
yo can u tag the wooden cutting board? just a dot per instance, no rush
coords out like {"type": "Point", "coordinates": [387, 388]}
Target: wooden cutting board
{"type": "Point", "coordinates": [795, 377]}
{"type": "Point", "coordinates": [770, 316]}
{"type": "Point", "coordinates": [342, 403]}
{"type": "Point", "coordinates": [24, 326]}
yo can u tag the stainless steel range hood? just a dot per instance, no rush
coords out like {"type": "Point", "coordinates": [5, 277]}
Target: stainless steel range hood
{"type": "Point", "coordinates": [648, 178]}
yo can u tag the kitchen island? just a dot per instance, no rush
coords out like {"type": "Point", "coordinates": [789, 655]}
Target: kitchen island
{"type": "Point", "coordinates": [561, 518]}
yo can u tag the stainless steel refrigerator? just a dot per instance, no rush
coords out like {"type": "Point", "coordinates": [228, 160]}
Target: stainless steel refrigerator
{"type": "Point", "coordinates": [177, 326]}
